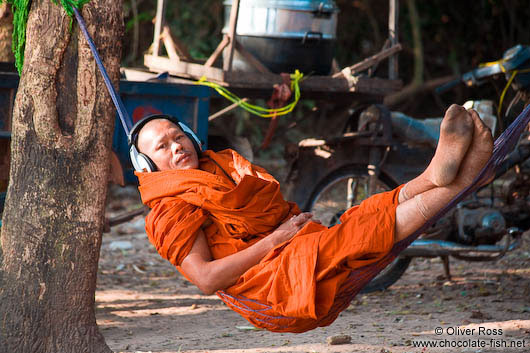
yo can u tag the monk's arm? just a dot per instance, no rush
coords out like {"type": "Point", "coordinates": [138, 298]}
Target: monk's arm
{"type": "Point", "coordinates": [212, 275]}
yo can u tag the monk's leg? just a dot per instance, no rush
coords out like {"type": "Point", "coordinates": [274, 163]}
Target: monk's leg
{"type": "Point", "coordinates": [412, 214]}
{"type": "Point", "coordinates": [456, 133]}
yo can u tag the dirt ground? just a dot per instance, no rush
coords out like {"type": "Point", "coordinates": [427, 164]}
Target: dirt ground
{"type": "Point", "coordinates": [144, 305]}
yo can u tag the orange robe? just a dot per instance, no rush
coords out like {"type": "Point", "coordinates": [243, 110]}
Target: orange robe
{"type": "Point", "coordinates": [296, 286]}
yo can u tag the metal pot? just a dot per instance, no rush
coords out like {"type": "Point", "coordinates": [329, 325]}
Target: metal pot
{"type": "Point", "coordinates": [286, 34]}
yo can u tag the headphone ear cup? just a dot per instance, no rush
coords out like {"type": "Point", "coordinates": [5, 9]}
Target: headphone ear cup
{"type": "Point", "coordinates": [146, 163]}
{"type": "Point", "coordinates": [192, 136]}
{"type": "Point", "coordinates": [193, 140]}
{"type": "Point", "coordinates": [141, 162]}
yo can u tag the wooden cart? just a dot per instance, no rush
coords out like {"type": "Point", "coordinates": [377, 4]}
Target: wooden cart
{"type": "Point", "coordinates": [345, 82]}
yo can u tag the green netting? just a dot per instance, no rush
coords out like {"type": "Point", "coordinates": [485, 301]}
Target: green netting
{"type": "Point", "coordinates": [20, 18]}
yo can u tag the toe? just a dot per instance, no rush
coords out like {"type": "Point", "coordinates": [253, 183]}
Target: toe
{"type": "Point", "coordinates": [454, 110]}
{"type": "Point", "coordinates": [481, 129]}
{"type": "Point", "coordinates": [457, 120]}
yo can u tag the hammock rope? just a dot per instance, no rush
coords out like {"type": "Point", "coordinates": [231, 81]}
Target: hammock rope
{"type": "Point", "coordinates": [262, 314]}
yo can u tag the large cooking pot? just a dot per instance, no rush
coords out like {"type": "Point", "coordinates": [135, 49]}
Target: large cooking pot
{"type": "Point", "coordinates": [286, 34]}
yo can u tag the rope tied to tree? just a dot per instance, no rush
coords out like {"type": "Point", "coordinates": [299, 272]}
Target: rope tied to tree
{"type": "Point", "coordinates": [20, 10]}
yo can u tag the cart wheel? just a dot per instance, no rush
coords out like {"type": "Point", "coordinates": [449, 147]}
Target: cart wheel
{"type": "Point", "coordinates": [345, 188]}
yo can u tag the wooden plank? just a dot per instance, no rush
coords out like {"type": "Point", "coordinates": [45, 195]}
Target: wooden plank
{"type": "Point", "coordinates": [257, 80]}
{"type": "Point", "coordinates": [127, 216]}
{"type": "Point", "coordinates": [234, 12]}
{"type": "Point", "coordinates": [366, 85]}
{"type": "Point", "coordinates": [369, 62]}
{"type": "Point", "coordinates": [378, 86]}
{"type": "Point", "coordinates": [169, 44]}
{"type": "Point", "coordinates": [225, 110]}
{"type": "Point", "coordinates": [183, 69]}
{"type": "Point", "coordinates": [211, 60]}
{"type": "Point", "coordinates": [252, 79]}
{"type": "Point", "coordinates": [174, 48]}
{"type": "Point", "coordinates": [393, 19]}
{"type": "Point", "coordinates": [335, 68]}
{"type": "Point", "coordinates": [160, 13]}
{"type": "Point", "coordinates": [196, 71]}
{"type": "Point", "coordinates": [133, 74]}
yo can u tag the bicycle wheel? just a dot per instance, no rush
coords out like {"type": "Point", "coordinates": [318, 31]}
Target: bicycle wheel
{"type": "Point", "coordinates": [345, 188]}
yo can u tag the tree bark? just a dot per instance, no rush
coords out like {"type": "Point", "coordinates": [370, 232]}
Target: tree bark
{"type": "Point", "coordinates": [53, 219]}
{"type": "Point", "coordinates": [6, 33]}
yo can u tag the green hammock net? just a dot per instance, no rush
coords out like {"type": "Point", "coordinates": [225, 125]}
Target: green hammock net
{"type": "Point", "coordinates": [20, 17]}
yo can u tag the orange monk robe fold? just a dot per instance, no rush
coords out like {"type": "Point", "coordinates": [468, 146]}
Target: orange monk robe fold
{"type": "Point", "coordinates": [300, 278]}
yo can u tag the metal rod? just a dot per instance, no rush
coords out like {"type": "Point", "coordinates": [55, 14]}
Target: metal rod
{"type": "Point", "coordinates": [425, 247]}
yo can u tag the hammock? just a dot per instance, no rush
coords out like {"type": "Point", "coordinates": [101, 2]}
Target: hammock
{"type": "Point", "coordinates": [262, 315]}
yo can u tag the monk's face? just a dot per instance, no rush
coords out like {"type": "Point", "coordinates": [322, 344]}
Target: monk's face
{"type": "Point", "coordinates": [167, 145]}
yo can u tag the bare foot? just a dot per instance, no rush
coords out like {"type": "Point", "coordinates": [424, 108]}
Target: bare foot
{"type": "Point", "coordinates": [456, 134]}
{"type": "Point", "coordinates": [478, 154]}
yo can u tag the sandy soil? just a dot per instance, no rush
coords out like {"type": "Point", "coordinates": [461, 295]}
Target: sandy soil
{"type": "Point", "coordinates": [144, 305]}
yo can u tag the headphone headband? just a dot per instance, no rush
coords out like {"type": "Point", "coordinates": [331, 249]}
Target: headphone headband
{"type": "Point", "coordinates": [135, 130]}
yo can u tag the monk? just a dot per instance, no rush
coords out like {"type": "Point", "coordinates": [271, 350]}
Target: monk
{"type": "Point", "coordinates": [224, 224]}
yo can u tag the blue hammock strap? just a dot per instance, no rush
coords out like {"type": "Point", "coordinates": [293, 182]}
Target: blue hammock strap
{"type": "Point", "coordinates": [118, 103]}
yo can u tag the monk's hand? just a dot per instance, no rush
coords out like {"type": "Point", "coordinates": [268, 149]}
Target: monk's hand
{"type": "Point", "coordinates": [290, 227]}
{"type": "Point", "coordinates": [299, 220]}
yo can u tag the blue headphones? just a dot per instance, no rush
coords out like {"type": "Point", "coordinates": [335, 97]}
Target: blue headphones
{"type": "Point", "coordinates": [140, 161]}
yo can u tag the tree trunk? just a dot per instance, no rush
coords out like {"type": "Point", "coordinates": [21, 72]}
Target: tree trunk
{"type": "Point", "coordinates": [52, 224]}
{"type": "Point", "coordinates": [6, 33]}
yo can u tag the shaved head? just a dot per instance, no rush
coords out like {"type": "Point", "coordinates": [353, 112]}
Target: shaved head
{"type": "Point", "coordinates": [167, 145]}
